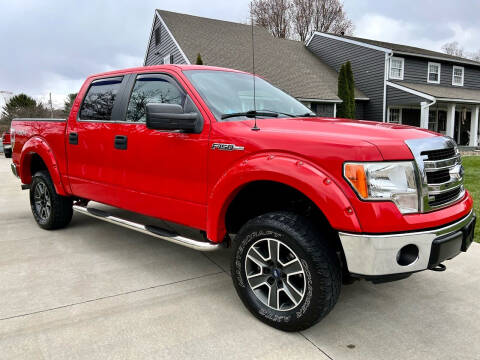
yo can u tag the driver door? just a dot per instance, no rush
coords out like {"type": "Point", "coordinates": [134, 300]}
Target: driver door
{"type": "Point", "coordinates": [166, 170]}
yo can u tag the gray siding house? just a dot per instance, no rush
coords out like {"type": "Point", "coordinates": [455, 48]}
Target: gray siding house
{"type": "Point", "coordinates": [289, 65]}
{"type": "Point", "coordinates": [394, 83]}
{"type": "Point", "coordinates": [409, 85]}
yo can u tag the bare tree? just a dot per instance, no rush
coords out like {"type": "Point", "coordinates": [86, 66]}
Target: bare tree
{"type": "Point", "coordinates": [298, 19]}
{"type": "Point", "coordinates": [301, 15]}
{"type": "Point", "coordinates": [329, 16]}
{"type": "Point", "coordinates": [453, 48]}
{"type": "Point", "coordinates": [475, 56]}
{"type": "Point", "coordinates": [272, 15]}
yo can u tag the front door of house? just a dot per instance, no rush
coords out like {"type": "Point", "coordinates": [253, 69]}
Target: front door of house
{"type": "Point", "coordinates": [462, 127]}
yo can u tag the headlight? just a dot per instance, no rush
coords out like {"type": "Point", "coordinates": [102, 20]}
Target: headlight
{"type": "Point", "coordinates": [387, 181]}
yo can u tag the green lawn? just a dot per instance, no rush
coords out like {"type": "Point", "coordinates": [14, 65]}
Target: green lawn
{"type": "Point", "coordinates": [472, 183]}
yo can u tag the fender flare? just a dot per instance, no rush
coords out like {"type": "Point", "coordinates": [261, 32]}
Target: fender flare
{"type": "Point", "coordinates": [290, 170]}
{"type": "Point", "coordinates": [39, 146]}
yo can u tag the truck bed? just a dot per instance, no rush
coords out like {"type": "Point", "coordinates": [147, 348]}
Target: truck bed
{"type": "Point", "coordinates": [51, 131]}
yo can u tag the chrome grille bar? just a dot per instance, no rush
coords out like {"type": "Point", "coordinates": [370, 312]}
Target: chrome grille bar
{"type": "Point", "coordinates": [434, 196]}
{"type": "Point", "coordinates": [434, 165]}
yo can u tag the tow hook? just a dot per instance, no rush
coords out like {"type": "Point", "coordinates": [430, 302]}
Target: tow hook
{"type": "Point", "coordinates": [439, 268]}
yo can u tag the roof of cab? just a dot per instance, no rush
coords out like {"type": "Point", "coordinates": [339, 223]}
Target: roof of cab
{"type": "Point", "coordinates": [159, 68]}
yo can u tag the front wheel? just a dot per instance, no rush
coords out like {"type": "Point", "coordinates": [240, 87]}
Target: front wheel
{"type": "Point", "coordinates": [50, 210]}
{"type": "Point", "coordinates": [284, 272]}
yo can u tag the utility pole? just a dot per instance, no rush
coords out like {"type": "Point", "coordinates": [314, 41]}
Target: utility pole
{"type": "Point", "coordinates": [51, 106]}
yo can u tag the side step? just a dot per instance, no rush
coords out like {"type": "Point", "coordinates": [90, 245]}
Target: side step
{"type": "Point", "coordinates": [148, 229]}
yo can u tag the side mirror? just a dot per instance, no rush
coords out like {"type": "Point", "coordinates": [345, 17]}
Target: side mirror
{"type": "Point", "coordinates": [171, 117]}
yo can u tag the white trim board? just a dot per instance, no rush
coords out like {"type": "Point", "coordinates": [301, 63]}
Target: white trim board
{"type": "Point", "coordinates": [173, 38]}
{"type": "Point", "coordinates": [319, 100]}
{"type": "Point", "coordinates": [350, 41]}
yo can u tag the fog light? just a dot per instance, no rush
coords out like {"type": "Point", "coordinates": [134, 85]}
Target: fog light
{"type": "Point", "coordinates": [407, 255]}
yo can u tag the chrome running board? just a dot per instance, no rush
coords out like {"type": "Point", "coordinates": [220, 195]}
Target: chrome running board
{"type": "Point", "coordinates": [148, 229]}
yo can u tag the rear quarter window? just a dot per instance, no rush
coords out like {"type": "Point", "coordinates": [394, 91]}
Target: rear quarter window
{"type": "Point", "coordinates": [100, 98]}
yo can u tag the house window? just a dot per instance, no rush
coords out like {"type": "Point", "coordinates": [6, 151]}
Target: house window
{"type": "Point", "coordinates": [434, 73]}
{"type": "Point", "coordinates": [458, 76]}
{"type": "Point", "coordinates": [167, 59]}
{"type": "Point", "coordinates": [395, 115]}
{"type": "Point", "coordinates": [157, 36]}
{"type": "Point", "coordinates": [396, 68]}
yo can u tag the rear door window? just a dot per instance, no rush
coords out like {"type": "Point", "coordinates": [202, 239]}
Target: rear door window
{"type": "Point", "coordinates": [100, 98]}
{"type": "Point", "coordinates": [152, 88]}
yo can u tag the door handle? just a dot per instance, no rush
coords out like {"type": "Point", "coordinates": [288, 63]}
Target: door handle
{"type": "Point", "coordinates": [73, 138]}
{"type": "Point", "coordinates": [120, 142]}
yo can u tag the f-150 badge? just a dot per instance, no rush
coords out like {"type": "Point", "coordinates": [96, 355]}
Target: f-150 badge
{"type": "Point", "coordinates": [227, 147]}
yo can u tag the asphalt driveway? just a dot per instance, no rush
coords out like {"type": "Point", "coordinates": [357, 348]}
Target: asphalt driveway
{"type": "Point", "coordinates": [94, 290]}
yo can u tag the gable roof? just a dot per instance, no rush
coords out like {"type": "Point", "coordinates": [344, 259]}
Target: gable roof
{"type": "Point", "coordinates": [406, 49]}
{"type": "Point", "coordinates": [287, 64]}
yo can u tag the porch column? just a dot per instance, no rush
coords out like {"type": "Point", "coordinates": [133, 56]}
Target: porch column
{"type": "Point", "coordinates": [451, 120]}
{"type": "Point", "coordinates": [424, 111]}
{"type": "Point", "coordinates": [474, 127]}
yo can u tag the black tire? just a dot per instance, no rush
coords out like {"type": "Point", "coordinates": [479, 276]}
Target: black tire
{"type": "Point", "coordinates": [321, 270]}
{"type": "Point", "coordinates": [60, 208]}
{"type": "Point", "coordinates": [8, 153]}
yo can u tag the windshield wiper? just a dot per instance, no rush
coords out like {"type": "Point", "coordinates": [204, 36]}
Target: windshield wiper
{"type": "Point", "coordinates": [309, 114]}
{"type": "Point", "coordinates": [250, 114]}
{"type": "Point", "coordinates": [279, 112]}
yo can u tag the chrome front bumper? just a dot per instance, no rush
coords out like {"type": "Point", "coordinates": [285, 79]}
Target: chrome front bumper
{"type": "Point", "coordinates": [376, 255]}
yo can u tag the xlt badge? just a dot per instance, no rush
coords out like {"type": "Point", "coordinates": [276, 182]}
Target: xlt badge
{"type": "Point", "coordinates": [227, 147]}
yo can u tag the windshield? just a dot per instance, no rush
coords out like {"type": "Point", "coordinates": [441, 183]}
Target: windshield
{"type": "Point", "coordinates": [231, 93]}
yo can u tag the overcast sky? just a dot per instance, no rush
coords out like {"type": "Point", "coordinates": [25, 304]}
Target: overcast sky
{"type": "Point", "coordinates": [51, 46]}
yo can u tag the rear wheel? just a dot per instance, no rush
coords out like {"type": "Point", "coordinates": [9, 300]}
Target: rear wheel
{"type": "Point", "coordinates": [8, 153]}
{"type": "Point", "coordinates": [284, 272]}
{"type": "Point", "coordinates": [50, 210]}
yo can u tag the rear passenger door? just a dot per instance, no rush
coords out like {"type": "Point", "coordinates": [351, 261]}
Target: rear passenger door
{"type": "Point", "coordinates": [94, 167]}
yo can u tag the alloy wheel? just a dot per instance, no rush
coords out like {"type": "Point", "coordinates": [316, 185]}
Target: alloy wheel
{"type": "Point", "coordinates": [275, 274]}
{"type": "Point", "coordinates": [43, 203]}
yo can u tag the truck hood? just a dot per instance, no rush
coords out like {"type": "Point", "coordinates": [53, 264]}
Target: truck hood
{"type": "Point", "coordinates": [388, 138]}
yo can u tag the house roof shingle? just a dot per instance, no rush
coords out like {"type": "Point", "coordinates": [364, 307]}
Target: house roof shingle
{"type": "Point", "coordinates": [444, 92]}
{"type": "Point", "coordinates": [414, 50]}
{"type": "Point", "coordinates": [287, 64]}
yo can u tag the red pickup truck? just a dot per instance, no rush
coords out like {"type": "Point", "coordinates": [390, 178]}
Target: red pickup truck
{"type": "Point", "coordinates": [306, 202]}
{"type": "Point", "coordinates": [7, 146]}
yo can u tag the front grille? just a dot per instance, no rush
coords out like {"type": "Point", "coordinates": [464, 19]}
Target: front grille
{"type": "Point", "coordinates": [438, 177]}
{"type": "Point", "coordinates": [441, 172]}
{"type": "Point", "coordinates": [445, 197]}
{"type": "Point", "coordinates": [439, 154]}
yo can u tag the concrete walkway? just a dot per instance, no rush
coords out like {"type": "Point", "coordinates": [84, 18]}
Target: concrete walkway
{"type": "Point", "coordinates": [94, 290]}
